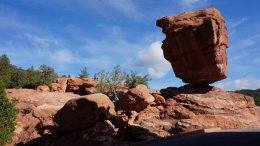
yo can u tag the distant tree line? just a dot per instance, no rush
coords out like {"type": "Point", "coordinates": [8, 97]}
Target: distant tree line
{"type": "Point", "coordinates": [16, 77]}
{"type": "Point", "coordinates": [110, 82]}
{"type": "Point", "coordinates": [253, 93]}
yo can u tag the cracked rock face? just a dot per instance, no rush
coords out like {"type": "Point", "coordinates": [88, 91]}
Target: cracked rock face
{"type": "Point", "coordinates": [195, 45]}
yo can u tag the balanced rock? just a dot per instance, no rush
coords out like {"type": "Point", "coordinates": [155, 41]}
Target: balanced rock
{"type": "Point", "coordinates": [83, 112]}
{"type": "Point", "coordinates": [195, 45]}
{"type": "Point", "coordinates": [136, 99]}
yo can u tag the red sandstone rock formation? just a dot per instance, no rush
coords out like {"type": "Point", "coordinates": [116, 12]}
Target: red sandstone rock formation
{"type": "Point", "coordinates": [84, 86]}
{"type": "Point", "coordinates": [136, 99]}
{"type": "Point", "coordinates": [195, 45]}
{"type": "Point", "coordinates": [83, 112]}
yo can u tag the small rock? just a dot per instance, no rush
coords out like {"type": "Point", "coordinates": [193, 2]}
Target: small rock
{"type": "Point", "coordinates": [136, 99]}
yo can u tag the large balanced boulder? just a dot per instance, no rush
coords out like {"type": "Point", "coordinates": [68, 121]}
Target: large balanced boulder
{"type": "Point", "coordinates": [195, 45]}
{"type": "Point", "coordinates": [83, 112]}
{"type": "Point", "coordinates": [136, 99]}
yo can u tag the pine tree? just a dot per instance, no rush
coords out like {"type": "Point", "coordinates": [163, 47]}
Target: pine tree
{"type": "Point", "coordinates": [7, 116]}
{"type": "Point", "coordinates": [84, 73]}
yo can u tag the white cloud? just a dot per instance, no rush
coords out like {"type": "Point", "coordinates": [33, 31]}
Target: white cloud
{"type": "Point", "coordinates": [152, 58]}
{"type": "Point", "coordinates": [243, 83]}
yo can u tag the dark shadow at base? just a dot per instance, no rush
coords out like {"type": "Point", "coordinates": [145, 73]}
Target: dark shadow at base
{"type": "Point", "coordinates": [207, 139]}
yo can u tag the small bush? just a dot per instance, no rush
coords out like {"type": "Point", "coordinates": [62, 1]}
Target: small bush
{"type": "Point", "coordinates": [28, 110]}
{"type": "Point", "coordinates": [7, 116]}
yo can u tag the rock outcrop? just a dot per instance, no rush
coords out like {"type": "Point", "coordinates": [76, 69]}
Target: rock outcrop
{"type": "Point", "coordinates": [83, 86]}
{"type": "Point", "coordinates": [195, 45]}
{"type": "Point", "coordinates": [191, 108]}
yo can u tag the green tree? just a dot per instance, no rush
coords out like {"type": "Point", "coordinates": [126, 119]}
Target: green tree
{"type": "Point", "coordinates": [5, 70]}
{"type": "Point", "coordinates": [116, 80]}
{"type": "Point", "coordinates": [83, 73]}
{"type": "Point", "coordinates": [32, 78]}
{"type": "Point", "coordinates": [7, 116]}
{"type": "Point", "coordinates": [133, 79]}
{"type": "Point", "coordinates": [18, 78]}
{"type": "Point", "coordinates": [46, 74]}
{"type": "Point", "coordinates": [111, 82]}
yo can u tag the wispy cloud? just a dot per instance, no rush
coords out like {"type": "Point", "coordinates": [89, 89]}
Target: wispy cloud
{"type": "Point", "coordinates": [103, 7]}
{"type": "Point", "coordinates": [234, 24]}
{"type": "Point", "coordinates": [190, 5]}
{"type": "Point", "coordinates": [152, 58]}
{"type": "Point", "coordinates": [247, 42]}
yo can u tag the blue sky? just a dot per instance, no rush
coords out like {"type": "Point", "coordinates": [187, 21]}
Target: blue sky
{"type": "Point", "coordinates": [99, 34]}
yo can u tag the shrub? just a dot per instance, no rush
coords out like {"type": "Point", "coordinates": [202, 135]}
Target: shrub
{"type": "Point", "coordinates": [7, 116]}
{"type": "Point", "coordinates": [134, 79]}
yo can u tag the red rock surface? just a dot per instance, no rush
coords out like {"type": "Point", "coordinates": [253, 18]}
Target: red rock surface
{"type": "Point", "coordinates": [35, 110]}
{"type": "Point", "coordinates": [195, 45]}
{"type": "Point", "coordinates": [83, 86]}
{"type": "Point", "coordinates": [177, 110]}
{"type": "Point", "coordinates": [136, 99]}
{"type": "Point", "coordinates": [43, 89]}
{"type": "Point", "coordinates": [83, 112]}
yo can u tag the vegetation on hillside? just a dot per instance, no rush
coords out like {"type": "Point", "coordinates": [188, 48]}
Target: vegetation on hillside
{"type": "Point", "coordinates": [253, 93]}
{"type": "Point", "coordinates": [7, 116]}
{"type": "Point", "coordinates": [15, 77]}
{"type": "Point", "coordinates": [111, 82]}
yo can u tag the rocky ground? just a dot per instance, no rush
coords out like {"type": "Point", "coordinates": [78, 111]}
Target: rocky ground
{"type": "Point", "coordinates": [52, 118]}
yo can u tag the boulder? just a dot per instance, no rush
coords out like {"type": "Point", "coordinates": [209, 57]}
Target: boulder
{"type": "Point", "coordinates": [136, 99]}
{"type": "Point", "coordinates": [195, 45]}
{"type": "Point", "coordinates": [158, 99]}
{"type": "Point", "coordinates": [83, 112]}
{"type": "Point", "coordinates": [74, 85]}
{"type": "Point", "coordinates": [91, 90]}
{"type": "Point", "coordinates": [63, 83]}
{"type": "Point", "coordinates": [75, 82]}
{"type": "Point", "coordinates": [61, 80]}
{"type": "Point", "coordinates": [43, 89]}
{"type": "Point", "coordinates": [89, 82]}
{"type": "Point", "coordinates": [55, 87]}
